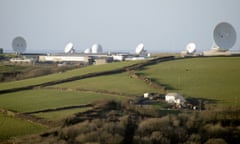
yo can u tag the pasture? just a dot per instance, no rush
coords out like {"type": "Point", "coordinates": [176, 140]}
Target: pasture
{"type": "Point", "coordinates": [121, 83]}
{"type": "Point", "coordinates": [64, 75]}
{"type": "Point", "coordinates": [11, 127]}
{"type": "Point", "coordinates": [35, 100]}
{"type": "Point", "coordinates": [215, 78]}
{"type": "Point", "coordinates": [62, 114]}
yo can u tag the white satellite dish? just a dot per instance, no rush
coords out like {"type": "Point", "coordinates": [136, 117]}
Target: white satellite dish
{"type": "Point", "coordinates": [224, 36]}
{"type": "Point", "coordinates": [96, 48]}
{"type": "Point", "coordinates": [19, 44]}
{"type": "Point", "coordinates": [87, 51]}
{"type": "Point", "coordinates": [69, 48]}
{"type": "Point", "coordinates": [140, 48]}
{"type": "Point", "coordinates": [191, 48]}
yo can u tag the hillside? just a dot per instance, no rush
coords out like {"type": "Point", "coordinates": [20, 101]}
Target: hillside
{"type": "Point", "coordinates": [214, 78]}
{"type": "Point", "coordinates": [50, 100]}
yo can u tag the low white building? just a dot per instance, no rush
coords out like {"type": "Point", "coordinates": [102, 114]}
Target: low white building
{"type": "Point", "coordinates": [175, 98]}
{"type": "Point", "coordinates": [64, 58]}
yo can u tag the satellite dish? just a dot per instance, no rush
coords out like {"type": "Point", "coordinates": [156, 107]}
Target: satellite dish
{"type": "Point", "coordinates": [69, 48]}
{"type": "Point", "coordinates": [96, 48]}
{"type": "Point", "coordinates": [224, 36]}
{"type": "Point", "coordinates": [191, 48]}
{"type": "Point", "coordinates": [140, 48]}
{"type": "Point", "coordinates": [87, 51]}
{"type": "Point", "coordinates": [19, 44]}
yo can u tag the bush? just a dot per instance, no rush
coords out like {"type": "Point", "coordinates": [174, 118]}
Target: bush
{"type": "Point", "coordinates": [215, 130]}
{"type": "Point", "coordinates": [216, 141]}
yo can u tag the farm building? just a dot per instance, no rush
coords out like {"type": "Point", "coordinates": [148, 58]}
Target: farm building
{"type": "Point", "coordinates": [175, 98]}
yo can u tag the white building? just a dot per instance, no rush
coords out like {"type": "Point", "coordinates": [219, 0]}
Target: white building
{"type": "Point", "coordinates": [64, 58]}
{"type": "Point", "coordinates": [175, 98]}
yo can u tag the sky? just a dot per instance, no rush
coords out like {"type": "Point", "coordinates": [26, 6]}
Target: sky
{"type": "Point", "coordinates": [118, 25]}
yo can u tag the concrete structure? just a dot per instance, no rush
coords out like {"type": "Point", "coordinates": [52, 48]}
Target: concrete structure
{"type": "Point", "coordinates": [23, 60]}
{"type": "Point", "coordinates": [214, 52]}
{"type": "Point", "coordinates": [103, 60]}
{"type": "Point", "coordinates": [175, 98]}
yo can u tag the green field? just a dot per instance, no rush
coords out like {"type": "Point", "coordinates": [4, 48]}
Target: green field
{"type": "Point", "coordinates": [59, 115]}
{"type": "Point", "coordinates": [64, 75]}
{"type": "Point", "coordinates": [11, 127]}
{"type": "Point", "coordinates": [119, 83]}
{"type": "Point", "coordinates": [12, 68]}
{"type": "Point", "coordinates": [34, 100]}
{"type": "Point", "coordinates": [216, 78]}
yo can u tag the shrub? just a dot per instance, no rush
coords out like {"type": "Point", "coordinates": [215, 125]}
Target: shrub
{"type": "Point", "coordinates": [215, 130]}
{"type": "Point", "coordinates": [216, 141]}
{"type": "Point", "coordinates": [194, 139]}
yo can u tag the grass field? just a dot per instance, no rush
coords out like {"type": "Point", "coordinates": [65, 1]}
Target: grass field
{"type": "Point", "coordinates": [11, 127]}
{"type": "Point", "coordinates": [34, 100]}
{"type": "Point", "coordinates": [62, 114]}
{"type": "Point", "coordinates": [119, 83]}
{"type": "Point", "coordinates": [12, 68]}
{"type": "Point", "coordinates": [216, 78]}
{"type": "Point", "coordinates": [63, 75]}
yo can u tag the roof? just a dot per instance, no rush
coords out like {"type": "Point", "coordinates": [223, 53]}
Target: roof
{"type": "Point", "coordinates": [172, 94]}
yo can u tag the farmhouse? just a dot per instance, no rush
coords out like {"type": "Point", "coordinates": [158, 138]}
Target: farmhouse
{"type": "Point", "coordinates": [175, 98]}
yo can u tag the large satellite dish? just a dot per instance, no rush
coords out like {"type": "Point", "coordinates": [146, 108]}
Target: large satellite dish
{"type": "Point", "coordinates": [224, 36]}
{"type": "Point", "coordinates": [69, 48]}
{"type": "Point", "coordinates": [191, 48]}
{"type": "Point", "coordinates": [19, 44]}
{"type": "Point", "coordinates": [140, 48]}
{"type": "Point", "coordinates": [96, 48]}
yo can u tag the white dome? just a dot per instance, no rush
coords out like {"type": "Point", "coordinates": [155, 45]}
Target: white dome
{"type": "Point", "coordinates": [87, 51]}
{"type": "Point", "coordinates": [96, 48]}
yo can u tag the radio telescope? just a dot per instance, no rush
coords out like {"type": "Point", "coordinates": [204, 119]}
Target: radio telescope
{"type": "Point", "coordinates": [19, 45]}
{"type": "Point", "coordinates": [69, 48]}
{"type": "Point", "coordinates": [224, 36]}
{"type": "Point", "coordinates": [191, 48]}
{"type": "Point", "coordinates": [140, 48]}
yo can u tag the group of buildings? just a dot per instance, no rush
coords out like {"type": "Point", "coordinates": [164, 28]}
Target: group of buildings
{"type": "Point", "coordinates": [93, 55]}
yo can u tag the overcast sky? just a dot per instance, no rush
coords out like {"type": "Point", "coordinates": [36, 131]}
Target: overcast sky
{"type": "Point", "coordinates": [118, 25]}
